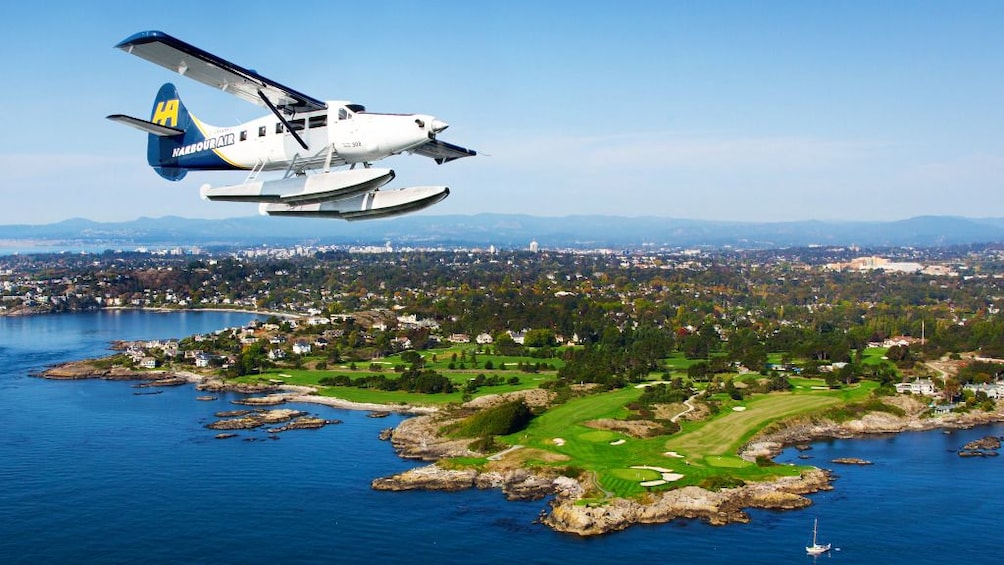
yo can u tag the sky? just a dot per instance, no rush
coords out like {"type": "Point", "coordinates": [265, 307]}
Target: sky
{"type": "Point", "coordinates": [765, 111]}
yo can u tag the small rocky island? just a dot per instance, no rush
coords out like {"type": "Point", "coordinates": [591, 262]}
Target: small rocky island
{"type": "Point", "coordinates": [987, 446]}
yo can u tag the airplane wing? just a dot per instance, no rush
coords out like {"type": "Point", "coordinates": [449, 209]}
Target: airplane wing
{"type": "Point", "coordinates": [192, 62]}
{"type": "Point", "coordinates": [443, 152]}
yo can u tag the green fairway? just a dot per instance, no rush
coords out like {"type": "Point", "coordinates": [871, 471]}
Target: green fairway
{"type": "Point", "coordinates": [726, 433]}
{"type": "Point", "coordinates": [709, 448]}
{"type": "Point", "coordinates": [704, 452]}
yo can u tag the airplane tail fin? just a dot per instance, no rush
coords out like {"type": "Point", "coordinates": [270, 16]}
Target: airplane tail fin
{"type": "Point", "coordinates": [178, 141]}
{"type": "Point", "coordinates": [162, 151]}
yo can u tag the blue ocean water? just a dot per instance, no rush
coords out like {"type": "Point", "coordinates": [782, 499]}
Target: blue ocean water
{"type": "Point", "coordinates": [92, 473]}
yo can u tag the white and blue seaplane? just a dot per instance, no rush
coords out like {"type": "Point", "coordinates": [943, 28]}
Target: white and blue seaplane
{"type": "Point", "coordinates": [317, 144]}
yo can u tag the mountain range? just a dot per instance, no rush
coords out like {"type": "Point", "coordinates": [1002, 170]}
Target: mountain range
{"type": "Point", "coordinates": [505, 231]}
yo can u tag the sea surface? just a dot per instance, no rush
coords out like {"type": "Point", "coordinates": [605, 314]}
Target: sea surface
{"type": "Point", "coordinates": [91, 472]}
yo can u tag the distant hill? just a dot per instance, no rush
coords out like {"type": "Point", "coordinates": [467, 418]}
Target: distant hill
{"type": "Point", "coordinates": [507, 231]}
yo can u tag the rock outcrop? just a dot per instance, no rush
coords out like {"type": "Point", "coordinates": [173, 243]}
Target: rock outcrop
{"type": "Point", "coordinates": [716, 507]}
{"type": "Point", "coordinates": [516, 484]}
{"type": "Point", "coordinates": [986, 446]}
{"type": "Point", "coordinates": [256, 419]}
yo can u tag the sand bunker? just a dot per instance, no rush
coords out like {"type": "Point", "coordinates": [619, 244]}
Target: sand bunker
{"type": "Point", "coordinates": [619, 442]}
{"type": "Point", "coordinates": [558, 441]}
{"type": "Point", "coordinates": [667, 475]}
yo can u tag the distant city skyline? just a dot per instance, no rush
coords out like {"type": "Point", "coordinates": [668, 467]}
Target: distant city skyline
{"type": "Point", "coordinates": [774, 111]}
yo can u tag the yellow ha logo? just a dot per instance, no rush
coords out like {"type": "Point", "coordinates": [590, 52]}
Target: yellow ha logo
{"type": "Point", "coordinates": [167, 111]}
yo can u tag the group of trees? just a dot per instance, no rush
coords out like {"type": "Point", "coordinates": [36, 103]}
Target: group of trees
{"type": "Point", "coordinates": [424, 381]}
{"type": "Point", "coordinates": [725, 310]}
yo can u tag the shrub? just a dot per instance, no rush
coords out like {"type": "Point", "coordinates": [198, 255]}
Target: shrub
{"type": "Point", "coordinates": [485, 444]}
{"type": "Point", "coordinates": [503, 419]}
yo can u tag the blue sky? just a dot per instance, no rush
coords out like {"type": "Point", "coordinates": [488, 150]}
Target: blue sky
{"type": "Point", "coordinates": [763, 111]}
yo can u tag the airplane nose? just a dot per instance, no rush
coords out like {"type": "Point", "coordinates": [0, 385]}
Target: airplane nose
{"type": "Point", "coordinates": [439, 125]}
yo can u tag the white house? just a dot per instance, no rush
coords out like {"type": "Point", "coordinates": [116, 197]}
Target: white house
{"type": "Point", "coordinates": [202, 360]}
{"type": "Point", "coordinates": [459, 338]}
{"type": "Point", "coordinates": [994, 391]}
{"type": "Point", "coordinates": [301, 347]}
{"type": "Point", "coordinates": [918, 386]}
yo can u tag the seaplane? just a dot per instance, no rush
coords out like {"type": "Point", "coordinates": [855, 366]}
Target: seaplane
{"type": "Point", "coordinates": [318, 145]}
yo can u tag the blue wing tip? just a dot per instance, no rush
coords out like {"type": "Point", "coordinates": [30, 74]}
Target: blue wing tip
{"type": "Point", "coordinates": [143, 37]}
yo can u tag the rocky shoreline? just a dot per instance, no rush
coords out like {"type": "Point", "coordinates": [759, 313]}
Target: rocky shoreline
{"type": "Point", "coordinates": [804, 430]}
{"type": "Point", "coordinates": [569, 510]}
{"type": "Point", "coordinates": [229, 421]}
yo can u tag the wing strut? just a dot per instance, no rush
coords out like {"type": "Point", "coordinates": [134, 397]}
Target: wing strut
{"type": "Point", "coordinates": [282, 119]}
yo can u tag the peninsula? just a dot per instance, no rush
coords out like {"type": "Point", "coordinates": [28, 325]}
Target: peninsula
{"type": "Point", "coordinates": [630, 388]}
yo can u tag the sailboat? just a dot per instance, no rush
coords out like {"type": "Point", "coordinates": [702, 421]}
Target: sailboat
{"type": "Point", "coordinates": [816, 548]}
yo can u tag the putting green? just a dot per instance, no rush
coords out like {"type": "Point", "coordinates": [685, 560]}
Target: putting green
{"type": "Point", "coordinates": [635, 474]}
{"type": "Point", "coordinates": [598, 436]}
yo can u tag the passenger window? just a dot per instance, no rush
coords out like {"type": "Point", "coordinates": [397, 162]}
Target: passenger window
{"type": "Point", "coordinates": [261, 131]}
{"type": "Point", "coordinates": [318, 121]}
{"type": "Point", "coordinates": [278, 127]}
{"type": "Point", "coordinates": [296, 125]}
{"type": "Point", "coordinates": [244, 135]}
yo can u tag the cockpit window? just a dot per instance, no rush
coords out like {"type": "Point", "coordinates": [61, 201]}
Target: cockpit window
{"type": "Point", "coordinates": [343, 114]}
{"type": "Point", "coordinates": [357, 108]}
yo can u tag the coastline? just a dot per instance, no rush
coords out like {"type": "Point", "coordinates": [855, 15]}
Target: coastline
{"type": "Point", "coordinates": [20, 312]}
{"type": "Point", "coordinates": [273, 394]}
{"type": "Point", "coordinates": [286, 315]}
{"type": "Point", "coordinates": [569, 512]}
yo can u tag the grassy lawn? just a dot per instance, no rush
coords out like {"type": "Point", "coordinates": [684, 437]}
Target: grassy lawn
{"type": "Point", "coordinates": [874, 356]}
{"type": "Point", "coordinates": [704, 450]}
{"type": "Point", "coordinates": [307, 377]}
{"type": "Point", "coordinates": [727, 432]}
{"type": "Point", "coordinates": [443, 358]}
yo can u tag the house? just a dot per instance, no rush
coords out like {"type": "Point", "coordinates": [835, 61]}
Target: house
{"type": "Point", "coordinates": [301, 347]}
{"type": "Point", "coordinates": [203, 360]}
{"type": "Point", "coordinates": [459, 338]}
{"type": "Point", "coordinates": [923, 387]}
{"type": "Point", "coordinates": [484, 338]}
{"type": "Point", "coordinates": [276, 354]}
{"type": "Point", "coordinates": [321, 343]}
{"type": "Point", "coordinates": [148, 363]}
{"type": "Point", "coordinates": [994, 391]}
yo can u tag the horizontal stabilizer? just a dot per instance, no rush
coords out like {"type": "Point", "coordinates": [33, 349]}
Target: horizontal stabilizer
{"type": "Point", "coordinates": [443, 152]}
{"type": "Point", "coordinates": [304, 189]}
{"type": "Point", "coordinates": [376, 204]}
{"type": "Point", "coordinates": [148, 127]}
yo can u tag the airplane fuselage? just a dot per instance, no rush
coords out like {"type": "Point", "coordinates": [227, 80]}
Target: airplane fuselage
{"type": "Point", "coordinates": [342, 134]}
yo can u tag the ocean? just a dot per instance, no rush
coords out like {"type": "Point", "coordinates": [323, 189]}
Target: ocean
{"type": "Point", "coordinates": [91, 472]}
